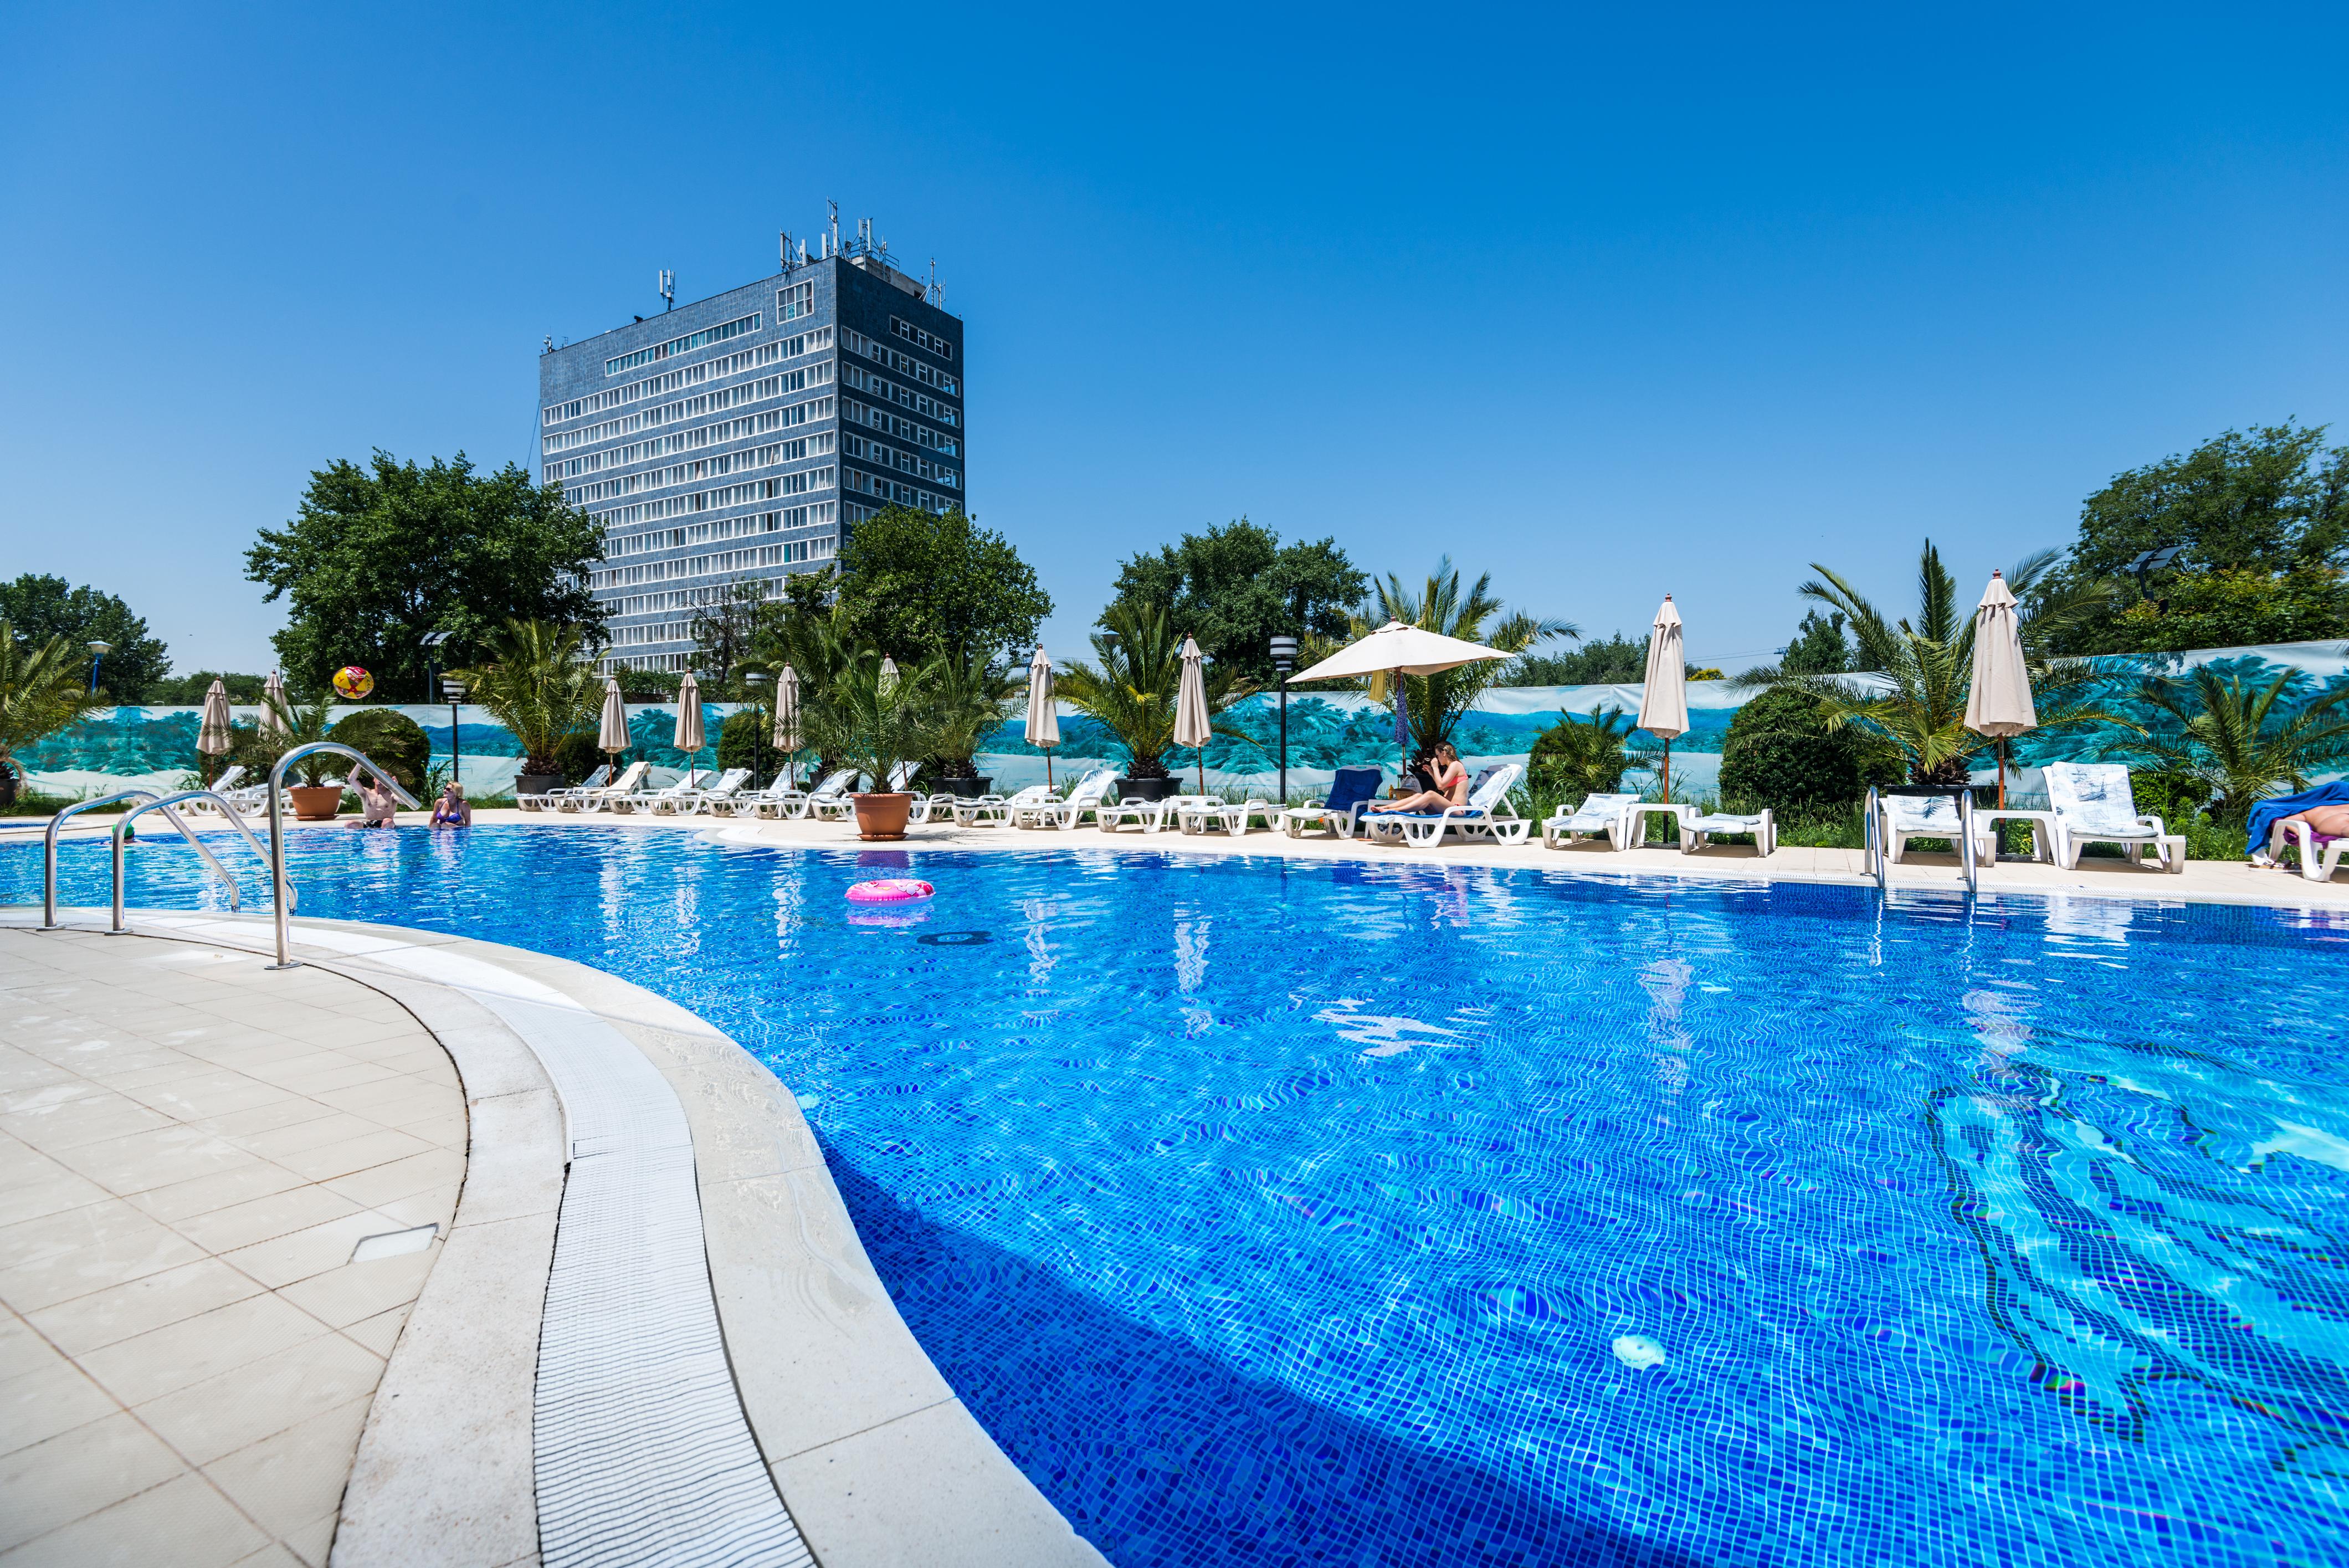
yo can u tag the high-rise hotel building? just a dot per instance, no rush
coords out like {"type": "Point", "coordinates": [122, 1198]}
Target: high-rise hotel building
{"type": "Point", "coordinates": [744, 435]}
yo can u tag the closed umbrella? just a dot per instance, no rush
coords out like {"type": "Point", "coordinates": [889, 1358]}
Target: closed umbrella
{"type": "Point", "coordinates": [1191, 726]}
{"type": "Point", "coordinates": [787, 715]}
{"type": "Point", "coordinates": [888, 675]}
{"type": "Point", "coordinates": [687, 737]}
{"type": "Point", "coordinates": [1663, 694]}
{"type": "Point", "coordinates": [272, 705]}
{"type": "Point", "coordinates": [612, 732]}
{"type": "Point", "coordinates": [1997, 703]}
{"type": "Point", "coordinates": [1044, 718]}
{"type": "Point", "coordinates": [212, 736]}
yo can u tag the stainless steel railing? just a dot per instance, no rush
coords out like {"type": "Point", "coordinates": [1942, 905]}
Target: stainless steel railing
{"type": "Point", "coordinates": [281, 889]}
{"type": "Point", "coordinates": [50, 846]}
{"type": "Point", "coordinates": [164, 804]}
{"type": "Point", "coordinates": [1876, 863]}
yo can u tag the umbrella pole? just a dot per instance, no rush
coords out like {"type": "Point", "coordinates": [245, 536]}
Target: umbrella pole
{"type": "Point", "coordinates": [1048, 770]}
{"type": "Point", "coordinates": [1668, 769]}
{"type": "Point", "coordinates": [2001, 773]}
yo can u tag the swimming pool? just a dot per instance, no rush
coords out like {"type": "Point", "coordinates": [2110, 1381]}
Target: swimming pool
{"type": "Point", "coordinates": [1333, 1214]}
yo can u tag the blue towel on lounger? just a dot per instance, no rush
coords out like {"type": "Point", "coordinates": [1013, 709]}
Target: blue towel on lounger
{"type": "Point", "coordinates": [2268, 813]}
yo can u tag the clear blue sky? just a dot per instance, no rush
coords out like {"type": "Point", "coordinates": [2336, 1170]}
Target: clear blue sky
{"type": "Point", "coordinates": [1607, 306]}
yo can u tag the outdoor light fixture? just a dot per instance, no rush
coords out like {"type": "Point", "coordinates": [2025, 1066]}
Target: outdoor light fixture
{"type": "Point", "coordinates": [97, 650]}
{"type": "Point", "coordinates": [454, 690]}
{"type": "Point", "coordinates": [1284, 660]}
{"type": "Point", "coordinates": [431, 642]}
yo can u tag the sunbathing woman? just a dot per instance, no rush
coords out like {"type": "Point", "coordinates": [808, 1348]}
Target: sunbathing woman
{"type": "Point", "coordinates": [1451, 786]}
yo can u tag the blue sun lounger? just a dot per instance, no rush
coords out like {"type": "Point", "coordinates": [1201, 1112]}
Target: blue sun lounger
{"type": "Point", "coordinates": [1349, 791]}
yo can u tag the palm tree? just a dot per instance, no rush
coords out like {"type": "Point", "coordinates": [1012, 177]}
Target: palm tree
{"type": "Point", "coordinates": [537, 684]}
{"type": "Point", "coordinates": [2241, 739]}
{"type": "Point", "coordinates": [973, 696]}
{"type": "Point", "coordinates": [1588, 756]}
{"type": "Point", "coordinates": [1925, 667]}
{"type": "Point", "coordinates": [1132, 689]}
{"type": "Point", "coordinates": [41, 692]}
{"type": "Point", "coordinates": [872, 717]}
{"type": "Point", "coordinates": [1437, 701]}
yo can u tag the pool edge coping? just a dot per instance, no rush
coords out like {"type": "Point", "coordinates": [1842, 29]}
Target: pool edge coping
{"type": "Point", "coordinates": [873, 1454]}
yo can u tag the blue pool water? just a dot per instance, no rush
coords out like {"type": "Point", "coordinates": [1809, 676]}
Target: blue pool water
{"type": "Point", "coordinates": [1319, 1213]}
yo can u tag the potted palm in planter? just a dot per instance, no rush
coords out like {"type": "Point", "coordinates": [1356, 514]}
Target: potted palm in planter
{"type": "Point", "coordinates": [315, 800]}
{"type": "Point", "coordinates": [874, 718]}
{"type": "Point", "coordinates": [537, 685]}
{"type": "Point", "coordinates": [972, 698]}
{"type": "Point", "coordinates": [1132, 692]}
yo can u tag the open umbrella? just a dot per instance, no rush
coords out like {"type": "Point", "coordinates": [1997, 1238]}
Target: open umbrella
{"type": "Point", "coordinates": [272, 705]}
{"type": "Point", "coordinates": [1997, 703]}
{"type": "Point", "coordinates": [1663, 695]}
{"type": "Point", "coordinates": [1191, 726]}
{"type": "Point", "coordinates": [612, 731]}
{"type": "Point", "coordinates": [1399, 650]}
{"type": "Point", "coordinates": [212, 736]}
{"type": "Point", "coordinates": [1044, 718]}
{"type": "Point", "coordinates": [787, 716]}
{"type": "Point", "coordinates": [689, 737]}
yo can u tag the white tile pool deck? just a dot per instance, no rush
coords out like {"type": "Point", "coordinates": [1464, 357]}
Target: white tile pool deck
{"type": "Point", "coordinates": [191, 1150]}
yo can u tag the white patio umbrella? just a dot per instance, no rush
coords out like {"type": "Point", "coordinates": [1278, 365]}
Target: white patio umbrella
{"type": "Point", "coordinates": [212, 736]}
{"type": "Point", "coordinates": [1399, 650]}
{"type": "Point", "coordinates": [1664, 692]}
{"type": "Point", "coordinates": [612, 732]}
{"type": "Point", "coordinates": [687, 737]}
{"type": "Point", "coordinates": [1997, 703]}
{"type": "Point", "coordinates": [1191, 725]}
{"type": "Point", "coordinates": [1044, 718]}
{"type": "Point", "coordinates": [272, 699]}
{"type": "Point", "coordinates": [787, 715]}
{"type": "Point", "coordinates": [888, 675]}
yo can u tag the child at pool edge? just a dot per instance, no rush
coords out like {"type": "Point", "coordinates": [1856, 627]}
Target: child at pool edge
{"type": "Point", "coordinates": [452, 809]}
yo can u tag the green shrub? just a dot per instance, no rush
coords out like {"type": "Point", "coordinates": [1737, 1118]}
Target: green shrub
{"type": "Point", "coordinates": [739, 739]}
{"type": "Point", "coordinates": [575, 755]}
{"type": "Point", "coordinates": [1576, 756]}
{"type": "Point", "coordinates": [390, 738]}
{"type": "Point", "coordinates": [1780, 753]}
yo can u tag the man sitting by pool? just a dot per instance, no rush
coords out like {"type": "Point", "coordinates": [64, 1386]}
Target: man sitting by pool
{"type": "Point", "coordinates": [1451, 785]}
{"type": "Point", "coordinates": [452, 809]}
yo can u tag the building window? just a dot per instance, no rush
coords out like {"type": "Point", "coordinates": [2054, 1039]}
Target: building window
{"type": "Point", "coordinates": [794, 302]}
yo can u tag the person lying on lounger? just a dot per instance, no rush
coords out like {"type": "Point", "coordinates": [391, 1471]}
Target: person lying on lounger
{"type": "Point", "coordinates": [2324, 821]}
{"type": "Point", "coordinates": [1451, 785]}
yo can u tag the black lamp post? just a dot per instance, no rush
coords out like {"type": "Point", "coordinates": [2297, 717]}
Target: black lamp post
{"type": "Point", "coordinates": [454, 689]}
{"type": "Point", "coordinates": [97, 650]}
{"type": "Point", "coordinates": [1284, 660]}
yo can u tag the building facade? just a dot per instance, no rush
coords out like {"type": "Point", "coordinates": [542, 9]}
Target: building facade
{"type": "Point", "coordinates": [743, 436]}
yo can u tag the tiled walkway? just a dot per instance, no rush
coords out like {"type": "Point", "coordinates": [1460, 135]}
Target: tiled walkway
{"type": "Point", "coordinates": [187, 1348]}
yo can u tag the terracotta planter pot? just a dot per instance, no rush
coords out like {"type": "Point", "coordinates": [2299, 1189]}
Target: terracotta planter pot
{"type": "Point", "coordinates": [882, 815]}
{"type": "Point", "coordinates": [315, 803]}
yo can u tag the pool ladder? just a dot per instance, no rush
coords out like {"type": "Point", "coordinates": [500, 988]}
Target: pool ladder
{"type": "Point", "coordinates": [281, 888]}
{"type": "Point", "coordinates": [1876, 866]}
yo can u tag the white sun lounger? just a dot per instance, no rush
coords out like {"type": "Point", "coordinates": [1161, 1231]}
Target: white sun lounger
{"type": "Point", "coordinates": [1201, 816]}
{"type": "Point", "coordinates": [2092, 803]}
{"type": "Point", "coordinates": [553, 799]}
{"type": "Point", "coordinates": [1151, 815]}
{"type": "Point", "coordinates": [1607, 813]}
{"type": "Point", "coordinates": [1083, 801]}
{"type": "Point", "coordinates": [2320, 855]}
{"type": "Point", "coordinates": [654, 802]}
{"type": "Point", "coordinates": [995, 810]}
{"type": "Point", "coordinates": [596, 799]}
{"type": "Point", "coordinates": [1908, 816]}
{"type": "Point", "coordinates": [1695, 825]}
{"type": "Point", "coordinates": [715, 795]}
{"type": "Point", "coordinates": [1487, 815]}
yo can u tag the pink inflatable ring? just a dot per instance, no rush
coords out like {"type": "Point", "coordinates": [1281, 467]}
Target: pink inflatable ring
{"type": "Point", "coordinates": [890, 891]}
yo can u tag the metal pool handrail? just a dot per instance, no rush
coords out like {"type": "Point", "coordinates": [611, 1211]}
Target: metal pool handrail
{"type": "Point", "coordinates": [280, 891]}
{"type": "Point", "coordinates": [1872, 840]}
{"type": "Point", "coordinates": [50, 846]}
{"type": "Point", "coordinates": [1874, 862]}
{"type": "Point", "coordinates": [122, 830]}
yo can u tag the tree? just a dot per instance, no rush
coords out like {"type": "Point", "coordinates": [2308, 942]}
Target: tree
{"type": "Point", "coordinates": [1782, 753]}
{"type": "Point", "coordinates": [1926, 667]}
{"type": "Point", "coordinates": [42, 691]}
{"type": "Point", "coordinates": [538, 682]}
{"type": "Point", "coordinates": [724, 629]}
{"type": "Point", "coordinates": [917, 586]}
{"type": "Point", "coordinates": [1615, 660]}
{"type": "Point", "coordinates": [974, 695]}
{"type": "Point", "coordinates": [41, 607]}
{"type": "Point", "coordinates": [2262, 519]}
{"type": "Point", "coordinates": [873, 721]}
{"type": "Point", "coordinates": [1238, 586]}
{"type": "Point", "coordinates": [383, 555]}
{"type": "Point", "coordinates": [1819, 648]}
{"type": "Point", "coordinates": [1437, 701]}
{"type": "Point", "coordinates": [2240, 739]}
{"type": "Point", "coordinates": [1133, 685]}
{"type": "Point", "coordinates": [188, 690]}
{"type": "Point", "coordinates": [390, 737]}
{"type": "Point", "coordinates": [1582, 756]}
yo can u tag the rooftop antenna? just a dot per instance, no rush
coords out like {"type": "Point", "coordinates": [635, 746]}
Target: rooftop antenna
{"type": "Point", "coordinates": [668, 289]}
{"type": "Point", "coordinates": [933, 295]}
{"type": "Point", "coordinates": [783, 250]}
{"type": "Point", "coordinates": [835, 223]}
{"type": "Point", "coordinates": [803, 259]}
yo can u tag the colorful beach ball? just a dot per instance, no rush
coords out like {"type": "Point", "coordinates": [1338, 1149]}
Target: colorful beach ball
{"type": "Point", "coordinates": [353, 683]}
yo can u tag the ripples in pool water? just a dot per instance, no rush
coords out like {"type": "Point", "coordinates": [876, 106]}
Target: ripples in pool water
{"type": "Point", "coordinates": [1329, 1214]}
